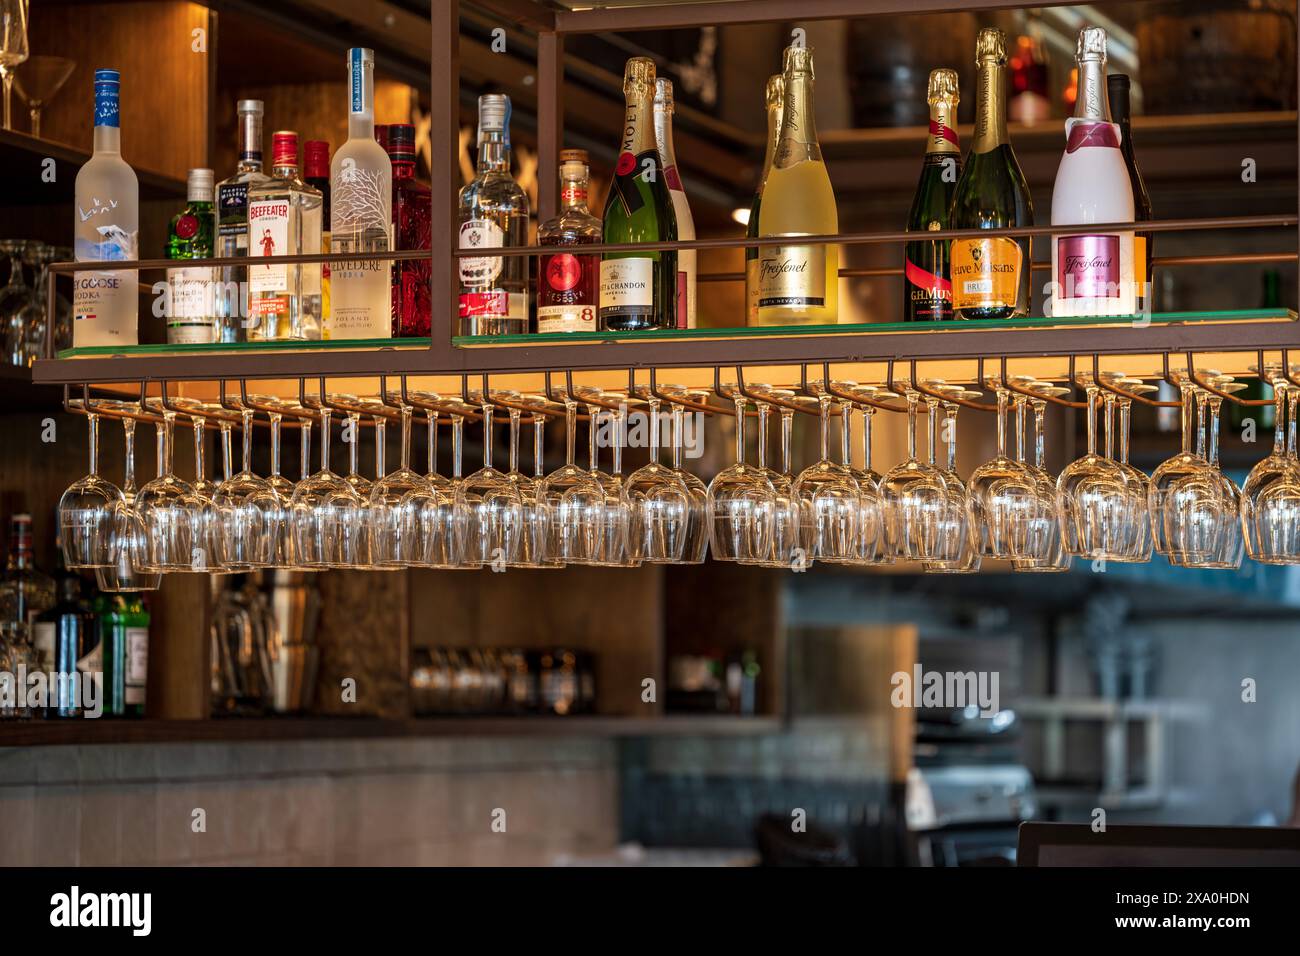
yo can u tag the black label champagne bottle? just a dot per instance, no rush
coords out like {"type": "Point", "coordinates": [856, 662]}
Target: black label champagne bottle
{"type": "Point", "coordinates": [773, 97]}
{"type": "Point", "coordinates": [638, 290]}
{"type": "Point", "coordinates": [798, 285]}
{"type": "Point", "coordinates": [1117, 88]}
{"type": "Point", "coordinates": [927, 285]}
{"type": "Point", "coordinates": [990, 277]}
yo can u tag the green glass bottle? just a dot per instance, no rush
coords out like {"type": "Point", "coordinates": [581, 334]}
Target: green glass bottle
{"type": "Point", "coordinates": [192, 318]}
{"type": "Point", "coordinates": [638, 290]}
{"type": "Point", "coordinates": [990, 277]}
{"type": "Point", "coordinates": [124, 635]}
{"type": "Point", "coordinates": [927, 285]}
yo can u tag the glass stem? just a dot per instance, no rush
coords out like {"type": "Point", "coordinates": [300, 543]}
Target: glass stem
{"type": "Point", "coordinates": [619, 420]}
{"type": "Point", "coordinates": [1202, 421]}
{"type": "Point", "coordinates": [571, 430]}
{"type": "Point", "coordinates": [354, 446]}
{"type": "Point", "coordinates": [516, 416]}
{"type": "Point", "coordinates": [1292, 396]}
{"type": "Point", "coordinates": [275, 444]}
{"type": "Point", "coordinates": [92, 422]}
{"type": "Point", "coordinates": [406, 438]}
{"type": "Point", "coordinates": [1125, 419]}
{"type": "Point", "coordinates": [679, 425]}
{"type": "Point", "coordinates": [227, 455]}
{"type": "Point", "coordinates": [846, 434]}
{"type": "Point", "coordinates": [381, 440]}
{"type": "Point", "coordinates": [931, 408]}
{"type": "Point", "coordinates": [457, 439]}
{"type": "Point", "coordinates": [1188, 422]}
{"type": "Point", "coordinates": [1092, 419]}
{"type": "Point", "coordinates": [200, 464]}
{"type": "Point", "coordinates": [304, 447]}
{"type": "Point", "coordinates": [1216, 404]}
{"type": "Point", "coordinates": [1040, 408]}
{"type": "Point", "coordinates": [787, 431]}
{"type": "Point", "coordinates": [740, 428]}
{"type": "Point", "coordinates": [539, 433]}
{"type": "Point", "coordinates": [160, 446]}
{"type": "Point", "coordinates": [911, 425]}
{"type": "Point", "coordinates": [951, 412]}
{"type": "Point", "coordinates": [1002, 423]}
{"type": "Point", "coordinates": [824, 409]}
{"type": "Point", "coordinates": [764, 412]}
{"type": "Point", "coordinates": [248, 442]}
{"type": "Point", "coordinates": [1279, 418]}
{"type": "Point", "coordinates": [128, 481]}
{"type": "Point", "coordinates": [324, 439]}
{"type": "Point", "coordinates": [1020, 428]}
{"type": "Point", "coordinates": [654, 431]}
{"type": "Point", "coordinates": [1109, 406]}
{"type": "Point", "coordinates": [487, 435]}
{"type": "Point", "coordinates": [593, 424]}
{"type": "Point", "coordinates": [169, 421]}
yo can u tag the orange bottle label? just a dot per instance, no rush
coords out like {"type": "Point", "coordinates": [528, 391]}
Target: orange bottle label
{"type": "Point", "coordinates": [986, 273]}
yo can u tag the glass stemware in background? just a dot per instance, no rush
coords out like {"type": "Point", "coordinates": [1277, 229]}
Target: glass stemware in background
{"type": "Point", "coordinates": [872, 552]}
{"type": "Point", "coordinates": [742, 504]}
{"type": "Point", "coordinates": [613, 512]}
{"type": "Point", "coordinates": [785, 509]}
{"type": "Point", "coordinates": [85, 512]}
{"type": "Point", "coordinates": [957, 525]}
{"type": "Point", "coordinates": [1232, 545]}
{"type": "Point", "coordinates": [493, 505]}
{"type": "Point", "coordinates": [127, 535]}
{"type": "Point", "coordinates": [1262, 518]}
{"type": "Point", "coordinates": [248, 514]}
{"type": "Point", "coordinates": [397, 509]}
{"type": "Point", "coordinates": [442, 517]}
{"type": "Point", "coordinates": [202, 485]}
{"type": "Point", "coordinates": [1014, 518]}
{"type": "Point", "coordinates": [660, 503]}
{"type": "Point", "coordinates": [1185, 498]}
{"type": "Point", "coordinates": [361, 485]}
{"type": "Point", "coordinates": [168, 507]}
{"type": "Point", "coordinates": [915, 498]}
{"type": "Point", "coordinates": [538, 546]}
{"type": "Point", "coordinates": [616, 489]}
{"type": "Point", "coordinates": [575, 500]}
{"type": "Point", "coordinates": [698, 521]}
{"type": "Point", "coordinates": [13, 48]}
{"type": "Point", "coordinates": [1092, 496]}
{"type": "Point", "coordinates": [39, 80]}
{"type": "Point", "coordinates": [870, 524]}
{"type": "Point", "coordinates": [1059, 559]}
{"type": "Point", "coordinates": [326, 513]}
{"type": "Point", "coordinates": [829, 501]}
{"type": "Point", "coordinates": [14, 295]}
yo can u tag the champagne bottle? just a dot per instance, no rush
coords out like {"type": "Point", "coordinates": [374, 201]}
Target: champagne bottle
{"type": "Point", "coordinates": [1092, 275]}
{"type": "Point", "coordinates": [773, 97]}
{"type": "Point", "coordinates": [927, 286]}
{"type": "Point", "coordinates": [798, 285]}
{"type": "Point", "coordinates": [686, 258]}
{"type": "Point", "coordinates": [990, 277]}
{"type": "Point", "coordinates": [1117, 86]}
{"type": "Point", "coordinates": [638, 290]}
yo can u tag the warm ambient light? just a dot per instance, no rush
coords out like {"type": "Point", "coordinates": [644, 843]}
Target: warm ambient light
{"type": "Point", "coordinates": [741, 215]}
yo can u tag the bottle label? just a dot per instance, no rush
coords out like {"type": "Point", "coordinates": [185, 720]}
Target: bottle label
{"type": "Point", "coordinates": [93, 661]}
{"type": "Point", "coordinates": [232, 210]}
{"type": "Point", "coordinates": [356, 74]}
{"type": "Point", "coordinates": [751, 290]}
{"type": "Point", "coordinates": [629, 169]}
{"type": "Point", "coordinates": [986, 273]}
{"type": "Point", "coordinates": [929, 295]}
{"type": "Point", "coordinates": [43, 644]}
{"type": "Point", "coordinates": [673, 179]}
{"type": "Point", "coordinates": [1087, 267]}
{"type": "Point", "coordinates": [480, 234]}
{"type": "Point", "coordinates": [268, 231]}
{"type": "Point", "coordinates": [627, 284]}
{"type": "Point", "coordinates": [137, 664]}
{"type": "Point", "coordinates": [566, 318]}
{"type": "Point", "coordinates": [1140, 263]}
{"type": "Point", "coordinates": [190, 319]}
{"type": "Point", "coordinates": [791, 275]}
{"type": "Point", "coordinates": [1084, 134]}
{"type": "Point", "coordinates": [572, 194]}
{"type": "Point", "coordinates": [683, 299]}
{"type": "Point", "coordinates": [495, 304]}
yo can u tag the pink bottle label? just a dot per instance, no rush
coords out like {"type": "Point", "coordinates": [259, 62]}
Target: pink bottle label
{"type": "Point", "coordinates": [1088, 267]}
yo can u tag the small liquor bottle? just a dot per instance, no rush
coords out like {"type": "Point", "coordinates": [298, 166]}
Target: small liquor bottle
{"type": "Point", "coordinates": [232, 225]}
{"type": "Point", "coordinates": [638, 290]}
{"type": "Point", "coordinates": [284, 219]}
{"type": "Point", "coordinates": [316, 173]}
{"type": "Point", "coordinates": [191, 316]}
{"type": "Point", "coordinates": [124, 637]}
{"type": "Point", "coordinates": [927, 286]}
{"type": "Point", "coordinates": [990, 277]}
{"type": "Point", "coordinates": [106, 229]}
{"type": "Point", "coordinates": [412, 214]}
{"type": "Point", "coordinates": [686, 258]}
{"type": "Point", "coordinates": [1117, 88]}
{"type": "Point", "coordinates": [568, 284]}
{"type": "Point", "coordinates": [773, 98]}
{"type": "Point", "coordinates": [1092, 274]}
{"type": "Point", "coordinates": [361, 210]}
{"type": "Point", "coordinates": [25, 590]}
{"type": "Point", "coordinates": [493, 214]}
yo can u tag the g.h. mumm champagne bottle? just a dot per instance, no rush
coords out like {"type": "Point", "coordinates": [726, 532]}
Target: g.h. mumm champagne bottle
{"type": "Point", "coordinates": [774, 97]}
{"type": "Point", "coordinates": [927, 286]}
{"type": "Point", "coordinates": [990, 277]}
{"type": "Point", "coordinates": [1092, 274]}
{"type": "Point", "coordinates": [1117, 88]}
{"type": "Point", "coordinates": [638, 290]}
{"type": "Point", "coordinates": [798, 285]}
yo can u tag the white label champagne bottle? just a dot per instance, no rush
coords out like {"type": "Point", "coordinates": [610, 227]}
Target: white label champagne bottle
{"type": "Point", "coordinates": [686, 258]}
{"type": "Point", "coordinates": [361, 216]}
{"type": "Point", "coordinates": [773, 99]}
{"type": "Point", "coordinates": [990, 277]}
{"type": "Point", "coordinates": [1092, 275]}
{"type": "Point", "coordinates": [106, 229]}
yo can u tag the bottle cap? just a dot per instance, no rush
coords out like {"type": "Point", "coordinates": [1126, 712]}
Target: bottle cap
{"type": "Point", "coordinates": [574, 163]}
{"type": "Point", "coordinates": [799, 59]}
{"type": "Point", "coordinates": [1118, 81]}
{"type": "Point", "coordinates": [1091, 46]}
{"type": "Point", "coordinates": [664, 95]}
{"type": "Point", "coordinates": [493, 112]}
{"type": "Point", "coordinates": [401, 142]}
{"type": "Point", "coordinates": [108, 76]}
{"type": "Point", "coordinates": [316, 159]}
{"type": "Point", "coordinates": [284, 148]}
{"type": "Point", "coordinates": [365, 55]}
{"type": "Point", "coordinates": [199, 185]}
{"type": "Point", "coordinates": [991, 45]}
{"type": "Point", "coordinates": [638, 74]}
{"type": "Point", "coordinates": [251, 106]}
{"type": "Point", "coordinates": [774, 93]}
{"type": "Point", "coordinates": [943, 86]}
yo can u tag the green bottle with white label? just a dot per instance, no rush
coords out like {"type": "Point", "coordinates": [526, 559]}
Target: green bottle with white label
{"type": "Point", "coordinates": [124, 638]}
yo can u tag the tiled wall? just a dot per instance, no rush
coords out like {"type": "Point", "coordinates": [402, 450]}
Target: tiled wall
{"type": "Point", "coordinates": [403, 802]}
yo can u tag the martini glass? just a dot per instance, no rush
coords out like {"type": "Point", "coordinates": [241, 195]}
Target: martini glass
{"type": "Point", "coordinates": [39, 79]}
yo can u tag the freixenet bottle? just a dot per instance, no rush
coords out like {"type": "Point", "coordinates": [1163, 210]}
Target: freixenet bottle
{"type": "Point", "coordinates": [927, 285]}
{"type": "Point", "coordinates": [232, 225]}
{"type": "Point", "coordinates": [686, 258]}
{"type": "Point", "coordinates": [106, 229]}
{"type": "Point", "coordinates": [412, 214]}
{"type": "Point", "coordinates": [316, 174]}
{"type": "Point", "coordinates": [493, 215]}
{"type": "Point", "coordinates": [124, 639]}
{"type": "Point", "coordinates": [773, 98]}
{"type": "Point", "coordinates": [798, 285]}
{"type": "Point", "coordinates": [1117, 87]}
{"type": "Point", "coordinates": [638, 290]}
{"type": "Point", "coordinates": [990, 277]}
{"type": "Point", "coordinates": [284, 219]}
{"type": "Point", "coordinates": [191, 313]}
{"type": "Point", "coordinates": [568, 283]}
{"type": "Point", "coordinates": [1092, 274]}
{"type": "Point", "coordinates": [361, 209]}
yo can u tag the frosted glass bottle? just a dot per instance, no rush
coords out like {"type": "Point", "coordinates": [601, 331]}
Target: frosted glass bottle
{"type": "Point", "coordinates": [106, 229]}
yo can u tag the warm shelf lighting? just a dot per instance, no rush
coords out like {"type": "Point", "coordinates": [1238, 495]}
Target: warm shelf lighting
{"type": "Point", "coordinates": [741, 215]}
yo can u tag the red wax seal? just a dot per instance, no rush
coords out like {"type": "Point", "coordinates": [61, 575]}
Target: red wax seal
{"type": "Point", "coordinates": [626, 163]}
{"type": "Point", "coordinates": [187, 226]}
{"type": "Point", "coordinates": [563, 272]}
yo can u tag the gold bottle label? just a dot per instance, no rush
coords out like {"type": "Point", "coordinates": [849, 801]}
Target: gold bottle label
{"type": "Point", "coordinates": [791, 276]}
{"type": "Point", "coordinates": [986, 273]}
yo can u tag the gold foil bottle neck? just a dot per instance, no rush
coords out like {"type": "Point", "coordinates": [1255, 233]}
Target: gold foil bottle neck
{"type": "Point", "coordinates": [943, 87]}
{"type": "Point", "coordinates": [798, 59]}
{"type": "Point", "coordinates": [664, 95]}
{"type": "Point", "coordinates": [1091, 46]}
{"type": "Point", "coordinates": [639, 75]}
{"type": "Point", "coordinates": [991, 45]}
{"type": "Point", "coordinates": [774, 94]}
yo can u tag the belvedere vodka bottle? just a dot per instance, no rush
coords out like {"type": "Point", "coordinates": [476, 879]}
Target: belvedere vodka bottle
{"type": "Point", "coordinates": [106, 229]}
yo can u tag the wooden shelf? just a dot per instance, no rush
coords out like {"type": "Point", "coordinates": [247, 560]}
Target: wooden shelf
{"type": "Point", "coordinates": [22, 159]}
{"type": "Point", "coordinates": [34, 733]}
